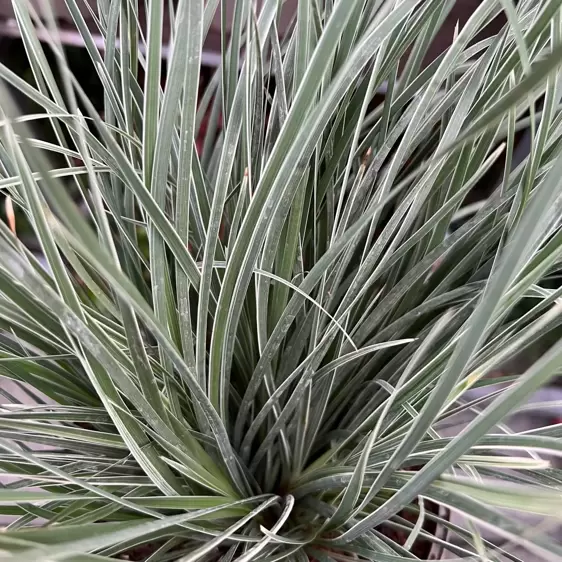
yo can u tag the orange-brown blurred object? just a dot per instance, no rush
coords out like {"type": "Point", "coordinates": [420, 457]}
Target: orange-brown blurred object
{"type": "Point", "coordinates": [10, 215]}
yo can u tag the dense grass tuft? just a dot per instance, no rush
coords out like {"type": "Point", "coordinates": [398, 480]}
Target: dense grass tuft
{"type": "Point", "coordinates": [265, 300]}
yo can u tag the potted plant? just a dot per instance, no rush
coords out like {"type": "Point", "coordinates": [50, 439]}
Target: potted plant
{"type": "Point", "coordinates": [250, 351]}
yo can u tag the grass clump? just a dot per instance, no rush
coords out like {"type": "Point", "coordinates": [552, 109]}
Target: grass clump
{"type": "Point", "coordinates": [250, 351]}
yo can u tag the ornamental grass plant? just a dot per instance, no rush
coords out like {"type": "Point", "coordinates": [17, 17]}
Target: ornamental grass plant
{"type": "Point", "coordinates": [258, 303]}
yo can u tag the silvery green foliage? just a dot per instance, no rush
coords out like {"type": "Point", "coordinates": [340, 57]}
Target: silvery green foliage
{"type": "Point", "coordinates": [250, 350]}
